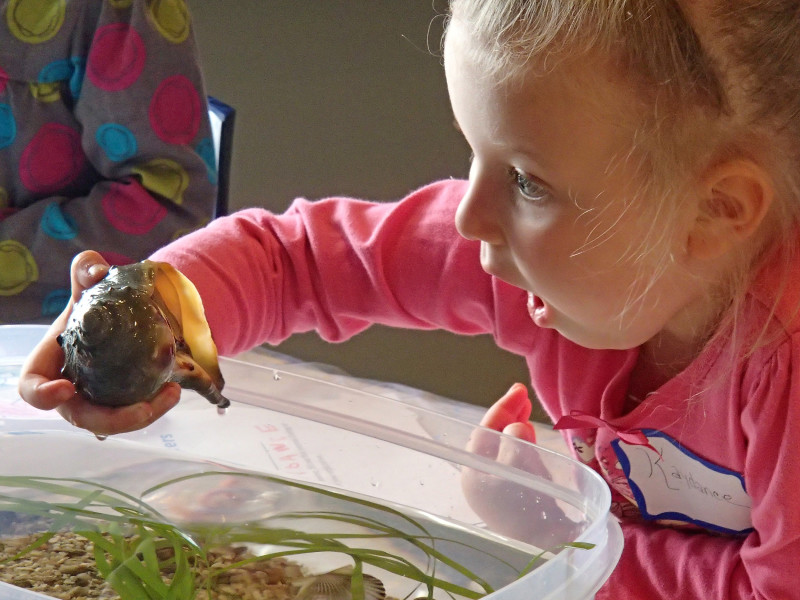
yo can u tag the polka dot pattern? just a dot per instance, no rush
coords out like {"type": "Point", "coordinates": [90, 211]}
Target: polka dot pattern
{"type": "Point", "coordinates": [117, 141]}
{"type": "Point", "coordinates": [46, 92]}
{"type": "Point", "coordinates": [35, 21]}
{"type": "Point", "coordinates": [8, 126]}
{"type": "Point", "coordinates": [57, 224]}
{"type": "Point", "coordinates": [18, 268]}
{"type": "Point", "coordinates": [171, 19]}
{"type": "Point", "coordinates": [115, 258]}
{"type": "Point", "coordinates": [78, 74]}
{"type": "Point", "coordinates": [3, 80]}
{"type": "Point", "coordinates": [165, 178]}
{"type": "Point", "coordinates": [55, 302]}
{"type": "Point", "coordinates": [52, 160]}
{"type": "Point", "coordinates": [129, 208]}
{"type": "Point", "coordinates": [208, 153]}
{"type": "Point", "coordinates": [142, 120]}
{"type": "Point", "coordinates": [117, 57]}
{"type": "Point", "coordinates": [56, 71]}
{"type": "Point", "coordinates": [176, 110]}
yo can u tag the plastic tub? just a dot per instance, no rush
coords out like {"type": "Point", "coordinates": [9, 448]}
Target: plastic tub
{"type": "Point", "coordinates": [359, 443]}
{"type": "Point", "coordinates": [16, 341]}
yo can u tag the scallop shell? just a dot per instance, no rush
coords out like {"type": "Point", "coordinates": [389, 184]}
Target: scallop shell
{"type": "Point", "coordinates": [336, 585]}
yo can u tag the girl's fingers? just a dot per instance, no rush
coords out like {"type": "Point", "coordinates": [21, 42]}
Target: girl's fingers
{"type": "Point", "coordinates": [43, 392]}
{"type": "Point", "coordinates": [513, 407]}
{"type": "Point", "coordinates": [41, 383]}
{"type": "Point", "coordinates": [510, 415]}
{"type": "Point", "coordinates": [103, 420]}
{"type": "Point", "coordinates": [517, 455]}
{"type": "Point", "coordinates": [87, 268]}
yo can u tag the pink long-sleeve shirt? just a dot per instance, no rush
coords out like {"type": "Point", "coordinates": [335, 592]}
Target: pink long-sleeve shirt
{"type": "Point", "coordinates": [703, 472]}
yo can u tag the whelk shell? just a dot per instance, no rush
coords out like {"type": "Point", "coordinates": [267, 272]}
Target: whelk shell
{"type": "Point", "coordinates": [138, 328]}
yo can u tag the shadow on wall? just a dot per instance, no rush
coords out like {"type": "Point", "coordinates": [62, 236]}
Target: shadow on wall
{"type": "Point", "coordinates": [347, 98]}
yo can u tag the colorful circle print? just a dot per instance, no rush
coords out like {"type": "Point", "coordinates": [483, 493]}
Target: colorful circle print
{"type": "Point", "coordinates": [35, 21]}
{"type": "Point", "coordinates": [56, 71]}
{"type": "Point", "coordinates": [57, 224]}
{"type": "Point", "coordinates": [117, 57]}
{"type": "Point", "coordinates": [115, 258]}
{"type": "Point", "coordinates": [49, 91]}
{"type": "Point", "coordinates": [176, 110]}
{"type": "Point", "coordinates": [55, 302]}
{"type": "Point", "coordinates": [129, 208]}
{"type": "Point", "coordinates": [17, 268]}
{"type": "Point", "coordinates": [8, 126]}
{"type": "Point", "coordinates": [208, 153]}
{"type": "Point", "coordinates": [78, 72]}
{"type": "Point", "coordinates": [68, 69]}
{"type": "Point", "coordinates": [164, 177]}
{"type": "Point", "coordinates": [117, 141]}
{"type": "Point", "coordinates": [171, 19]}
{"type": "Point", "coordinates": [52, 160]}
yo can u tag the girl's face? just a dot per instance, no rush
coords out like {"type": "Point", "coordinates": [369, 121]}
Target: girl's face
{"type": "Point", "coordinates": [554, 201]}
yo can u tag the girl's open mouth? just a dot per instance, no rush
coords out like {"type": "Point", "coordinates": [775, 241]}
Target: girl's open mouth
{"type": "Point", "coordinates": [537, 310]}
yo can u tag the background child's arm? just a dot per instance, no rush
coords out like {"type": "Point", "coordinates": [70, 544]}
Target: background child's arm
{"type": "Point", "coordinates": [114, 158]}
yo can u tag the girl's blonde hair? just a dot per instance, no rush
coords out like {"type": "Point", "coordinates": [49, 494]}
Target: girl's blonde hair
{"type": "Point", "coordinates": [716, 79]}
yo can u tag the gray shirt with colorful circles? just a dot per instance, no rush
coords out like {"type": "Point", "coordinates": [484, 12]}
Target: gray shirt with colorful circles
{"type": "Point", "coordinates": [105, 141]}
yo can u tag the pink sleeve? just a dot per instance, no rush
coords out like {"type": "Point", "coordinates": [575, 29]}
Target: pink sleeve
{"type": "Point", "coordinates": [659, 562]}
{"type": "Point", "coordinates": [336, 266]}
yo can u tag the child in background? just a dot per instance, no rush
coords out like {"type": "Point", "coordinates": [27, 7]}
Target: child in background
{"type": "Point", "coordinates": [630, 226]}
{"type": "Point", "coordinates": [105, 141]}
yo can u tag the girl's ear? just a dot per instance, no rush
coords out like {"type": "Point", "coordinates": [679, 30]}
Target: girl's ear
{"type": "Point", "coordinates": [733, 199]}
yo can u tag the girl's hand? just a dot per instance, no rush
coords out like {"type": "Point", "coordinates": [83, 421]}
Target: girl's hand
{"type": "Point", "coordinates": [42, 385]}
{"type": "Point", "coordinates": [509, 508]}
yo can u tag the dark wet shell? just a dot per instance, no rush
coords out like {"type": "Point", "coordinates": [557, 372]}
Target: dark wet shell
{"type": "Point", "coordinates": [139, 327]}
{"type": "Point", "coordinates": [118, 345]}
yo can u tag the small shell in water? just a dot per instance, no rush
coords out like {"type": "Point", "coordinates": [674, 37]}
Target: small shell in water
{"type": "Point", "coordinates": [336, 585]}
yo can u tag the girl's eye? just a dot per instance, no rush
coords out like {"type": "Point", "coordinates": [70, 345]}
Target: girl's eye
{"type": "Point", "coordinates": [528, 186]}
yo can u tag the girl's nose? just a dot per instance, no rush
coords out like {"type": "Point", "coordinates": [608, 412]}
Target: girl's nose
{"type": "Point", "coordinates": [477, 215]}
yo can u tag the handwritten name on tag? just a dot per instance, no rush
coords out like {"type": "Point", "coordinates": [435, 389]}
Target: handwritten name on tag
{"type": "Point", "coordinates": [679, 485]}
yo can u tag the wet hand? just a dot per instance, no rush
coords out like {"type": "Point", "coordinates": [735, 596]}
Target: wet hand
{"type": "Point", "coordinates": [506, 507]}
{"type": "Point", "coordinates": [42, 385]}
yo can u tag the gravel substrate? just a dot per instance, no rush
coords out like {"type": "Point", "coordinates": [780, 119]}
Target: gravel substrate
{"type": "Point", "coordinates": [64, 568]}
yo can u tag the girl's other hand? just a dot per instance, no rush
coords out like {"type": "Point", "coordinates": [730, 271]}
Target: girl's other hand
{"type": "Point", "coordinates": [509, 508]}
{"type": "Point", "coordinates": [42, 385]}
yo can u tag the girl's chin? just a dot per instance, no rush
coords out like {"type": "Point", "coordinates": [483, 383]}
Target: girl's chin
{"type": "Point", "coordinates": [544, 315]}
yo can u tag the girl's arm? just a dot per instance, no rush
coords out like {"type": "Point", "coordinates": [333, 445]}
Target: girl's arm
{"type": "Point", "coordinates": [334, 266]}
{"type": "Point", "coordinates": [339, 265]}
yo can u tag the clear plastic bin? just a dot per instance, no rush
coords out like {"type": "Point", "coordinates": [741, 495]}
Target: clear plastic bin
{"type": "Point", "coordinates": [404, 456]}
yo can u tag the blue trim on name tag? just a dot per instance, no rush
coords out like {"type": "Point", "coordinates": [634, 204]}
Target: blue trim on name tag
{"type": "Point", "coordinates": [641, 501]}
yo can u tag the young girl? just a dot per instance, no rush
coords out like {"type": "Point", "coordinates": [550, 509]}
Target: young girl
{"type": "Point", "coordinates": [629, 226]}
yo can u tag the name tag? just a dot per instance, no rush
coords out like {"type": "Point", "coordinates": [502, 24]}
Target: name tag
{"type": "Point", "coordinates": [679, 485]}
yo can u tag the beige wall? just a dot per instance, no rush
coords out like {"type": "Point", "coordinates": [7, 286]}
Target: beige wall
{"type": "Point", "coordinates": [347, 97]}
